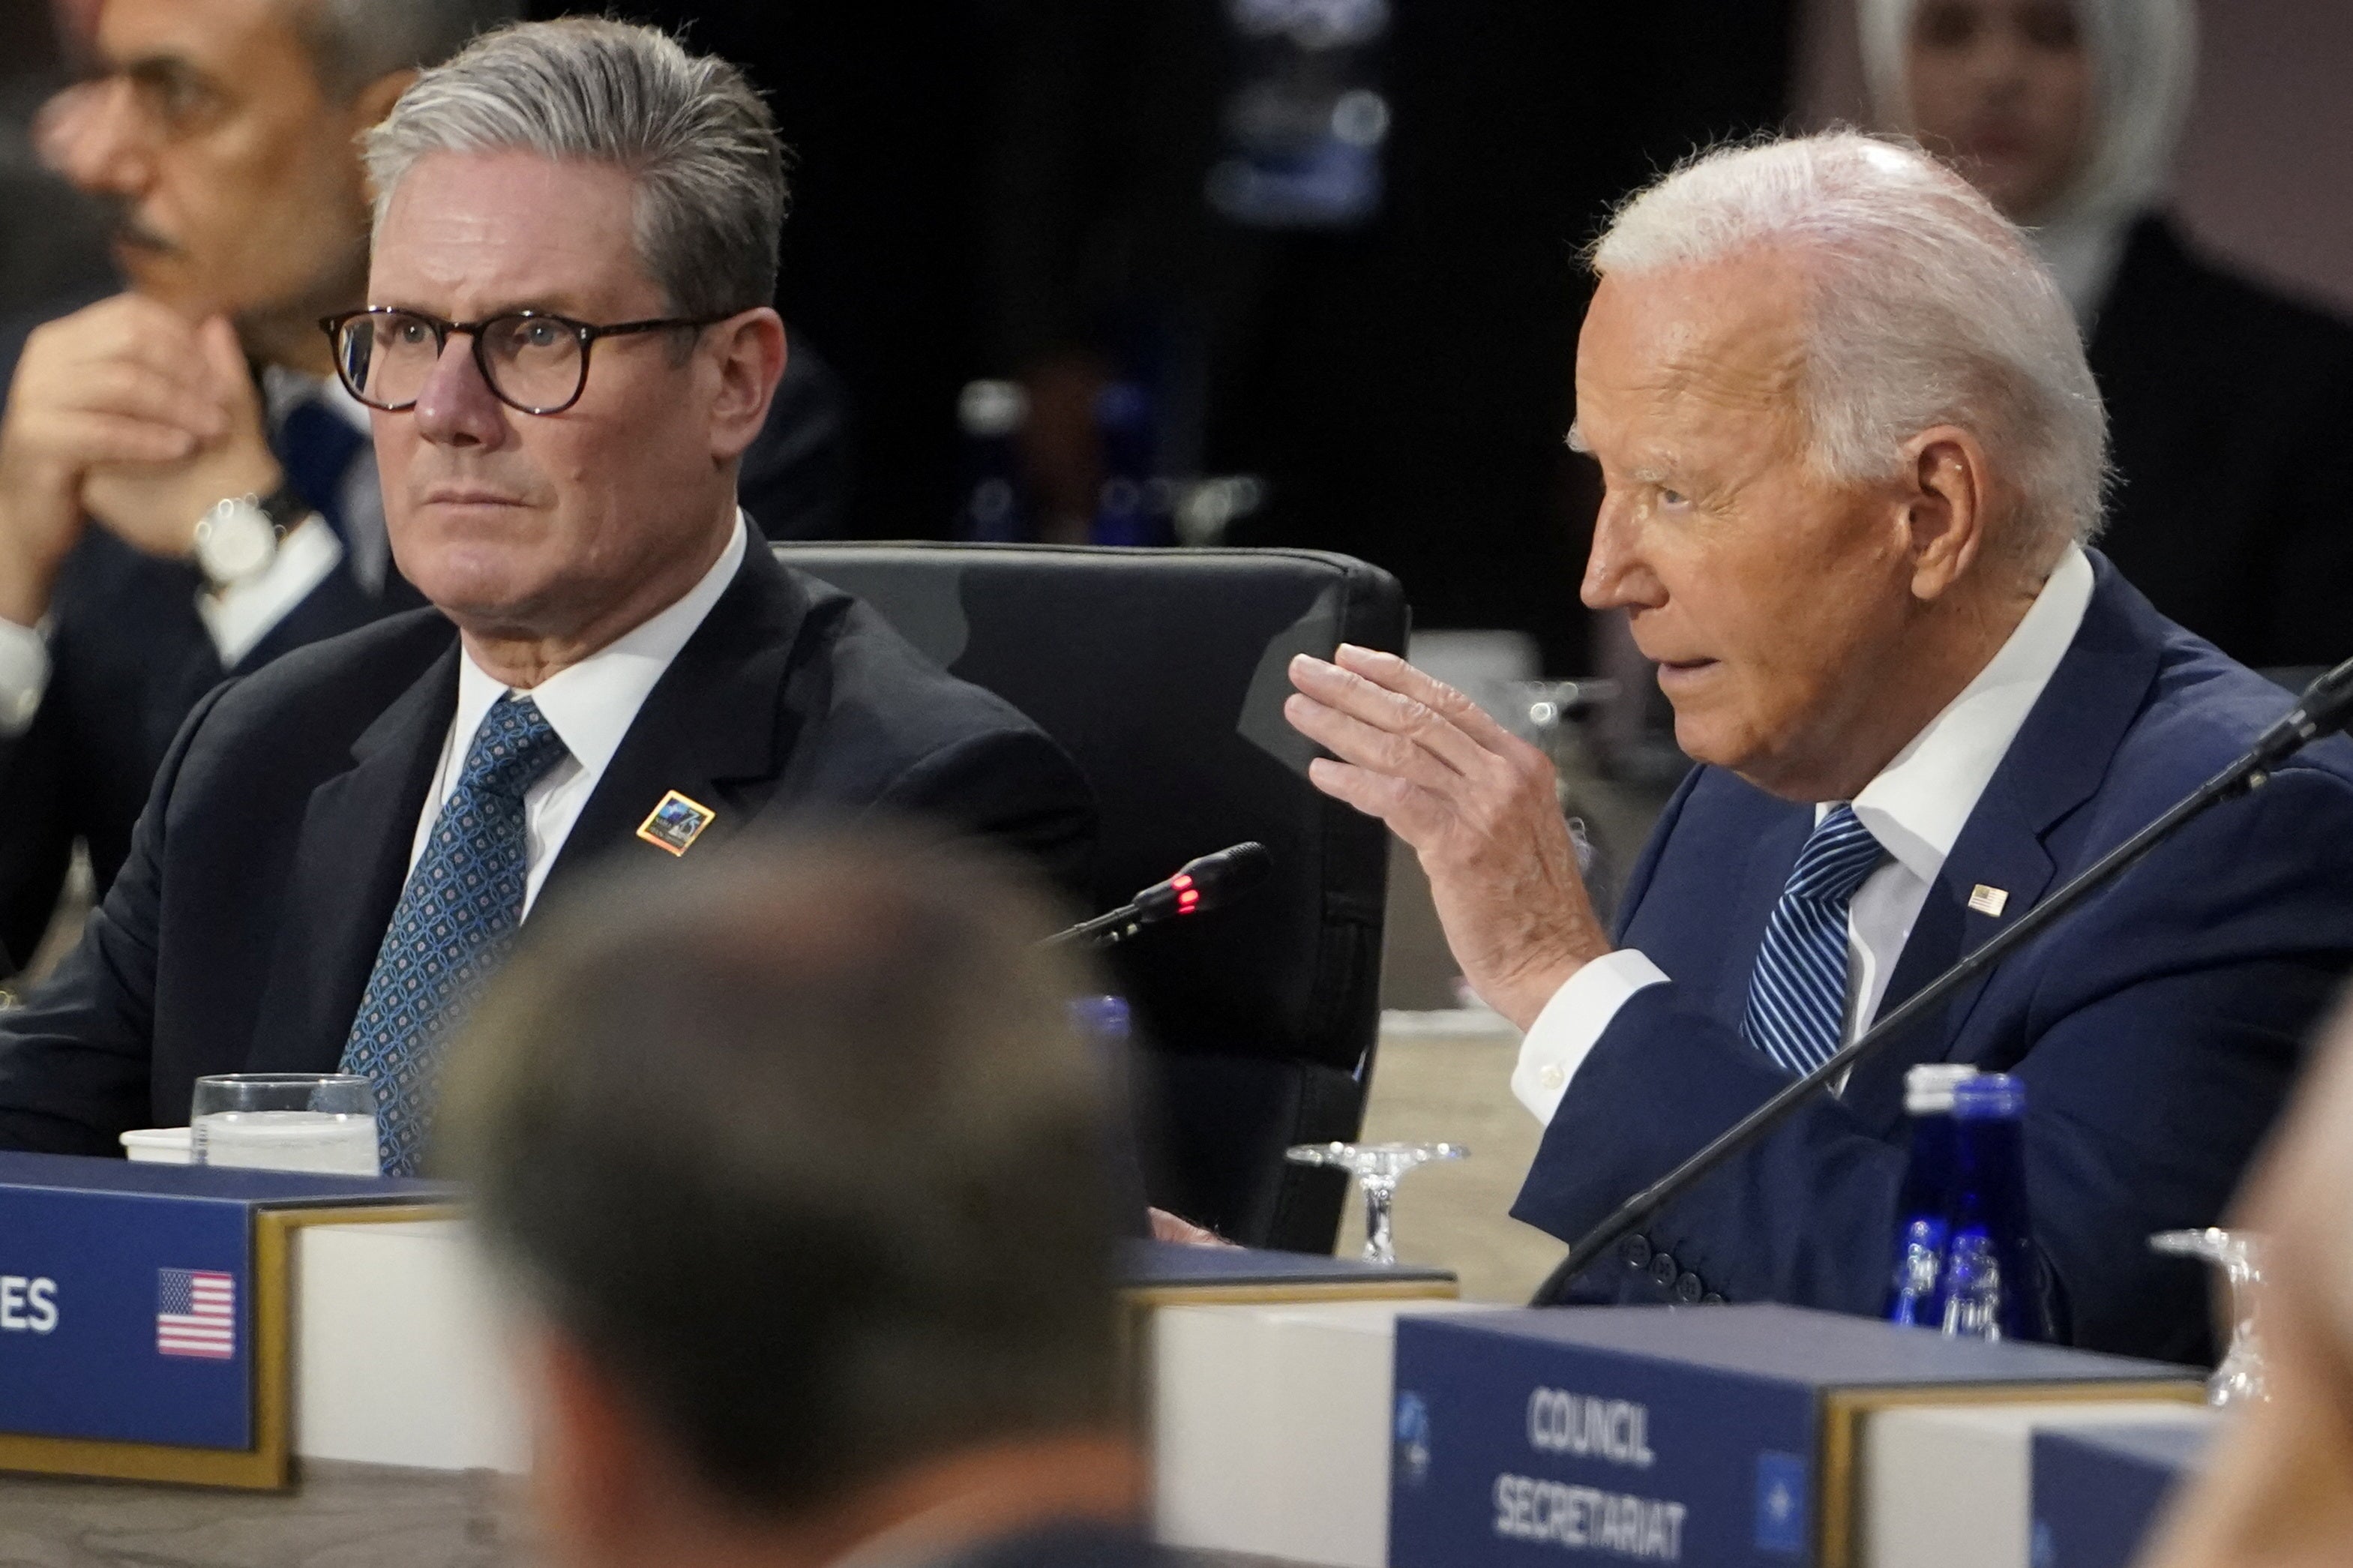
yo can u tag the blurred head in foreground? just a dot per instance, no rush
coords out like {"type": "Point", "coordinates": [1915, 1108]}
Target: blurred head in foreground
{"type": "Point", "coordinates": [795, 1163]}
{"type": "Point", "coordinates": [2278, 1487]}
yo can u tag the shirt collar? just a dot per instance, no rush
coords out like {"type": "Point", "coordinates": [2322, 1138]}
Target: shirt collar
{"type": "Point", "coordinates": [1918, 804]}
{"type": "Point", "coordinates": [591, 704]}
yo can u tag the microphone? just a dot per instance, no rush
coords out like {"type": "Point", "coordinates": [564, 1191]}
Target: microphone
{"type": "Point", "coordinates": [1202, 885]}
{"type": "Point", "coordinates": [2325, 708]}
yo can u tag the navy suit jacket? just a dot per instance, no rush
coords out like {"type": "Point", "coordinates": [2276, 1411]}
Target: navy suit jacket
{"type": "Point", "coordinates": [264, 870]}
{"type": "Point", "coordinates": [2157, 1026]}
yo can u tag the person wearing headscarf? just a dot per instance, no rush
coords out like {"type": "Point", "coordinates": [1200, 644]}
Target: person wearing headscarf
{"type": "Point", "coordinates": [2229, 404]}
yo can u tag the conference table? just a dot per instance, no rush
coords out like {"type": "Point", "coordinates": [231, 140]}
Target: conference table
{"type": "Point", "coordinates": [1298, 1409]}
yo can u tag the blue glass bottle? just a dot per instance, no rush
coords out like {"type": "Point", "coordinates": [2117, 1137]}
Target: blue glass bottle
{"type": "Point", "coordinates": [1992, 1286]}
{"type": "Point", "coordinates": [1923, 1208]}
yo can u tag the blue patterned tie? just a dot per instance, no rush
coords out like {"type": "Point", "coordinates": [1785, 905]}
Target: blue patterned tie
{"type": "Point", "coordinates": [453, 922]}
{"type": "Point", "coordinates": [1796, 999]}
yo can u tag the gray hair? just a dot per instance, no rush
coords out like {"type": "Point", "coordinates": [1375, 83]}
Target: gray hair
{"type": "Point", "coordinates": [801, 1147]}
{"type": "Point", "coordinates": [356, 42]}
{"type": "Point", "coordinates": [1926, 307]}
{"type": "Point", "coordinates": [702, 145]}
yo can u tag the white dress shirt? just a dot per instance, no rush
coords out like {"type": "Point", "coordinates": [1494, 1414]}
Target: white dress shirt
{"type": "Point", "coordinates": [590, 706]}
{"type": "Point", "coordinates": [240, 616]}
{"type": "Point", "coordinates": [1916, 808]}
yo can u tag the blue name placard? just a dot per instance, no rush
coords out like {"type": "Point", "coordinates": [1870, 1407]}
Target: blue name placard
{"type": "Point", "coordinates": [127, 1294]}
{"type": "Point", "coordinates": [2097, 1489]}
{"type": "Point", "coordinates": [1651, 1435]}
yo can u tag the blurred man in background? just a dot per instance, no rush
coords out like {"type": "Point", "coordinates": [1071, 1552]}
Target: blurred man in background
{"type": "Point", "coordinates": [796, 1164]}
{"type": "Point", "coordinates": [2228, 403]}
{"type": "Point", "coordinates": [222, 136]}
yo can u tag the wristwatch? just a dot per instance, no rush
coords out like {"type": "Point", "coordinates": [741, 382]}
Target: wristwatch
{"type": "Point", "coordinates": [238, 538]}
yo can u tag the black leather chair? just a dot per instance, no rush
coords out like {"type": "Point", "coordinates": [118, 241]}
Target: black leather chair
{"type": "Point", "coordinates": [1163, 672]}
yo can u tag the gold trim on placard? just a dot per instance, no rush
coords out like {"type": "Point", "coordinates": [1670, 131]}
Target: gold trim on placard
{"type": "Point", "coordinates": [1275, 1293]}
{"type": "Point", "coordinates": [1838, 1524]}
{"type": "Point", "coordinates": [268, 1466]}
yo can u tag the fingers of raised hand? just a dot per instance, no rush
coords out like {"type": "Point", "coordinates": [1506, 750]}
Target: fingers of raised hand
{"type": "Point", "coordinates": [1370, 745]}
{"type": "Point", "coordinates": [1412, 813]}
{"type": "Point", "coordinates": [1388, 708]}
{"type": "Point", "coordinates": [1388, 670]}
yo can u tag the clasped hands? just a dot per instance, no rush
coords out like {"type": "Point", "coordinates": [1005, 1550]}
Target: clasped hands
{"type": "Point", "coordinates": [126, 413]}
{"type": "Point", "coordinates": [1479, 807]}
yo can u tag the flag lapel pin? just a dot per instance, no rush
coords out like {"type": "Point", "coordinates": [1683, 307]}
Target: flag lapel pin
{"type": "Point", "coordinates": [1989, 900]}
{"type": "Point", "coordinates": [675, 824]}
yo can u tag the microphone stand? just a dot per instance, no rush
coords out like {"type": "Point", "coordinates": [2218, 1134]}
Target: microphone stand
{"type": "Point", "coordinates": [2323, 710]}
{"type": "Point", "coordinates": [1106, 930]}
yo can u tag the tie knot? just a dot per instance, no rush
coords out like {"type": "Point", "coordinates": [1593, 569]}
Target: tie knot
{"type": "Point", "coordinates": [1835, 859]}
{"type": "Point", "coordinates": [513, 749]}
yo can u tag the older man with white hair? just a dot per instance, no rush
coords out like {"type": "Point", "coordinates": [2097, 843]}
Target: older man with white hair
{"type": "Point", "coordinates": [1853, 458]}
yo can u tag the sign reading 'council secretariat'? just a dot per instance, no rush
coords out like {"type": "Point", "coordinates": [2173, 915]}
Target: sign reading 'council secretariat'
{"type": "Point", "coordinates": [1626, 1524]}
{"type": "Point", "coordinates": [1518, 1446]}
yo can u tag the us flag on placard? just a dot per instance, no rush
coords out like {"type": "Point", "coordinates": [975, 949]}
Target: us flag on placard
{"type": "Point", "coordinates": [195, 1313]}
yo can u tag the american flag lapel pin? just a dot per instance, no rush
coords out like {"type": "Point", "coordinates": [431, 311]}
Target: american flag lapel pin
{"type": "Point", "coordinates": [675, 824]}
{"type": "Point", "coordinates": [1989, 900]}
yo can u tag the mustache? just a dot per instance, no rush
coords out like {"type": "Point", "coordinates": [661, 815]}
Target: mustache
{"type": "Point", "coordinates": [124, 226]}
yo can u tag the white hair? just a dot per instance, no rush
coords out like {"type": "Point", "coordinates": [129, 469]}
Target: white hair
{"type": "Point", "coordinates": [1925, 307]}
{"type": "Point", "coordinates": [700, 144]}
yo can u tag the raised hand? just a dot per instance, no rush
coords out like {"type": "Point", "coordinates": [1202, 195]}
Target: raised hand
{"type": "Point", "coordinates": [120, 383]}
{"type": "Point", "coordinates": [155, 507]}
{"type": "Point", "coordinates": [1479, 807]}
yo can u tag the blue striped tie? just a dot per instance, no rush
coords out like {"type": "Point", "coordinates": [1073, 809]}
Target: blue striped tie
{"type": "Point", "coordinates": [1796, 999]}
{"type": "Point", "coordinates": [455, 920]}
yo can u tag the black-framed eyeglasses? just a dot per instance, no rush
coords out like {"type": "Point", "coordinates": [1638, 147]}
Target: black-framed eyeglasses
{"type": "Point", "coordinates": [531, 360]}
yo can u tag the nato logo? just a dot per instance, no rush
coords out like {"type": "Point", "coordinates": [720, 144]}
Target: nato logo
{"type": "Point", "coordinates": [1781, 1504]}
{"type": "Point", "coordinates": [1412, 1440]}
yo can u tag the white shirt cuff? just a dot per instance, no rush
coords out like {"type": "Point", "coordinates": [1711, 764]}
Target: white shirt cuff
{"type": "Point", "coordinates": [1571, 1024]}
{"type": "Point", "coordinates": [23, 677]}
{"type": "Point", "coordinates": [240, 616]}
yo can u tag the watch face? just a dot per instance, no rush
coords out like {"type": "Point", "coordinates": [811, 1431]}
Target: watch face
{"type": "Point", "coordinates": [234, 541]}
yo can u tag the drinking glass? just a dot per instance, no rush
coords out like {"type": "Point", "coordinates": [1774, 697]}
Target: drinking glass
{"type": "Point", "coordinates": [2240, 1378]}
{"type": "Point", "coordinates": [1377, 1168]}
{"type": "Point", "coordinates": [285, 1121]}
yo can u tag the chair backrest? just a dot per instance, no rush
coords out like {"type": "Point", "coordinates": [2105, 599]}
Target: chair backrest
{"type": "Point", "coordinates": [1163, 672]}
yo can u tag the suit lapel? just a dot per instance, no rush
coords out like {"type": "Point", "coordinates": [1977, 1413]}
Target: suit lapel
{"type": "Point", "coordinates": [710, 729]}
{"type": "Point", "coordinates": [349, 864]}
{"type": "Point", "coordinates": [2058, 758]}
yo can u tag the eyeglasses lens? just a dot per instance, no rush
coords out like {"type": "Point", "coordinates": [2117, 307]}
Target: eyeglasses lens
{"type": "Point", "coordinates": [387, 356]}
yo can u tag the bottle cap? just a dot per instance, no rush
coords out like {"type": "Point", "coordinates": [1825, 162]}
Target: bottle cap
{"type": "Point", "coordinates": [992, 408]}
{"type": "Point", "coordinates": [1990, 1097]}
{"type": "Point", "coordinates": [1928, 1088]}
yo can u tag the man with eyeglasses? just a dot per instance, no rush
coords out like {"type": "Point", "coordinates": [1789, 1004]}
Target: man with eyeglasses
{"type": "Point", "coordinates": [186, 493]}
{"type": "Point", "coordinates": [566, 351]}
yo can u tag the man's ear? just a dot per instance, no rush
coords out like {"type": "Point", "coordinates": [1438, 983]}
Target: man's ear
{"type": "Point", "coordinates": [590, 1463]}
{"type": "Point", "coordinates": [749, 350]}
{"type": "Point", "coordinates": [1946, 491]}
